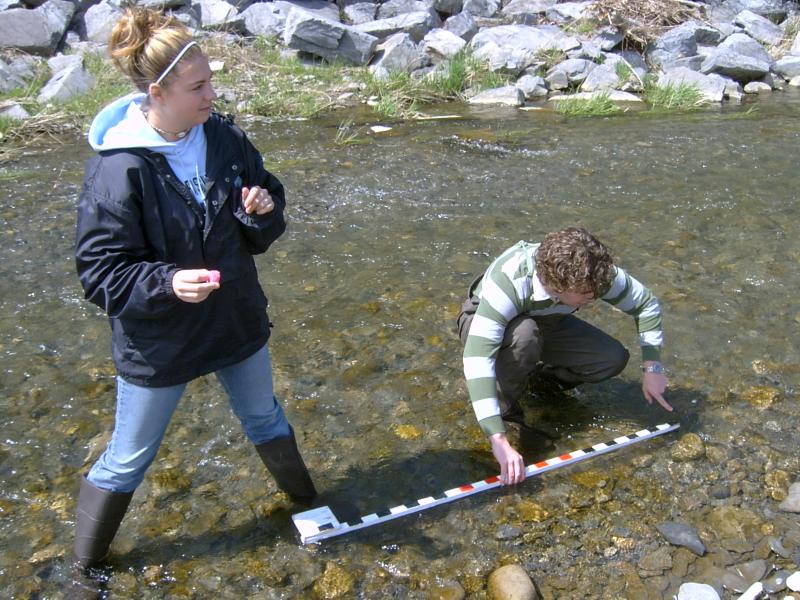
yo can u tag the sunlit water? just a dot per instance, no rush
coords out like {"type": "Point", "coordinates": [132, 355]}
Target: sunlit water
{"type": "Point", "coordinates": [384, 236]}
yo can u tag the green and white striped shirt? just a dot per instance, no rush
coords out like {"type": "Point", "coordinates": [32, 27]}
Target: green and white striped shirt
{"type": "Point", "coordinates": [509, 288]}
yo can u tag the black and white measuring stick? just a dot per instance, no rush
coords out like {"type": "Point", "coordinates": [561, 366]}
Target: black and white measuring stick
{"type": "Point", "coordinates": [320, 523]}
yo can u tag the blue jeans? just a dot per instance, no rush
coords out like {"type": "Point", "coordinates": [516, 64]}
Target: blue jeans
{"type": "Point", "coordinates": [143, 415]}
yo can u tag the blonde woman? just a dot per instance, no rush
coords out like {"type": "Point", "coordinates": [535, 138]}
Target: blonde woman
{"type": "Point", "coordinates": [172, 211]}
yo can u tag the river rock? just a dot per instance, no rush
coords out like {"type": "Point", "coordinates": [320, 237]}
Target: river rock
{"type": "Point", "coordinates": [218, 14]}
{"type": "Point", "coordinates": [416, 24]}
{"type": "Point", "coordinates": [512, 48]}
{"type": "Point", "coordinates": [326, 38]}
{"type": "Point", "coordinates": [712, 89]}
{"type": "Point", "coordinates": [321, 8]}
{"type": "Point", "coordinates": [753, 570]}
{"type": "Point", "coordinates": [792, 501]}
{"type": "Point", "coordinates": [481, 8]}
{"type": "Point", "coordinates": [508, 95]}
{"type": "Point", "coordinates": [776, 582]}
{"type": "Point", "coordinates": [689, 447]}
{"type": "Point", "coordinates": [682, 534]}
{"type": "Point", "coordinates": [608, 38]}
{"type": "Point", "coordinates": [448, 7]}
{"type": "Point", "coordinates": [576, 69]}
{"type": "Point", "coordinates": [739, 57]}
{"type": "Point", "coordinates": [13, 111]}
{"type": "Point", "coordinates": [602, 77]}
{"type": "Point", "coordinates": [774, 10]}
{"type": "Point", "coordinates": [441, 44]}
{"type": "Point", "coordinates": [697, 591]}
{"type": "Point", "coordinates": [393, 8]}
{"type": "Point", "coordinates": [568, 11]}
{"type": "Point", "coordinates": [36, 31]}
{"type": "Point", "coordinates": [397, 53]}
{"type": "Point", "coordinates": [334, 583]}
{"type": "Point", "coordinates": [361, 12]}
{"type": "Point", "coordinates": [681, 42]}
{"type": "Point", "coordinates": [99, 20]}
{"type": "Point", "coordinates": [735, 523]}
{"type": "Point", "coordinates": [793, 581]}
{"type": "Point", "coordinates": [658, 560]}
{"type": "Point", "coordinates": [532, 86]}
{"type": "Point", "coordinates": [759, 28]}
{"type": "Point", "coordinates": [66, 84]}
{"type": "Point", "coordinates": [463, 25]}
{"type": "Point", "coordinates": [9, 80]}
{"type": "Point", "coordinates": [788, 66]}
{"type": "Point", "coordinates": [264, 18]}
{"type": "Point", "coordinates": [757, 87]}
{"type": "Point", "coordinates": [511, 582]}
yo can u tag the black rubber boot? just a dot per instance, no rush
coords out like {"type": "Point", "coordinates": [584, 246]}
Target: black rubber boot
{"type": "Point", "coordinates": [283, 460]}
{"type": "Point", "coordinates": [99, 514]}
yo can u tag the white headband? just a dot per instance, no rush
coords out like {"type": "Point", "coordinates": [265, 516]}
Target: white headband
{"type": "Point", "coordinates": [174, 62]}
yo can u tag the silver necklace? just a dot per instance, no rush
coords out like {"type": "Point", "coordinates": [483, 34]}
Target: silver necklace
{"type": "Point", "coordinates": [178, 134]}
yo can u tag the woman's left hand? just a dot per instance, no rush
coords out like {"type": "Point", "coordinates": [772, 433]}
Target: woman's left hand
{"type": "Point", "coordinates": [257, 200]}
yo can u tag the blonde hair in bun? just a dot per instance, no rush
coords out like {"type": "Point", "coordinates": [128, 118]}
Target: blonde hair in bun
{"type": "Point", "coordinates": [144, 42]}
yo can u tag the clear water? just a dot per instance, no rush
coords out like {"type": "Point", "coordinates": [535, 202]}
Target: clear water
{"type": "Point", "coordinates": [384, 236]}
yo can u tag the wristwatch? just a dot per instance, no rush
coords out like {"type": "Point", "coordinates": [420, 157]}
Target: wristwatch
{"type": "Point", "coordinates": [655, 367]}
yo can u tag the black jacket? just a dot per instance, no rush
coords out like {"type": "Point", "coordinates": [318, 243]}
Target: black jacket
{"type": "Point", "coordinates": [138, 224]}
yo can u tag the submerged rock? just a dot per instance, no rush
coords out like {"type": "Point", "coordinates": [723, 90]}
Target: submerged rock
{"type": "Point", "coordinates": [697, 591]}
{"type": "Point", "coordinates": [792, 502]}
{"type": "Point", "coordinates": [689, 447]}
{"type": "Point", "coordinates": [511, 582]}
{"type": "Point", "coordinates": [681, 534]}
{"type": "Point", "coordinates": [334, 583]}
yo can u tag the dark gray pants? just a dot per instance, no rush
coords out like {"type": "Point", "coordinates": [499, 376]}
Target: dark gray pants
{"type": "Point", "coordinates": [560, 346]}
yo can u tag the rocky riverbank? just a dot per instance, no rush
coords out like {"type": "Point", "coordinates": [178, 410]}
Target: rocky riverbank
{"type": "Point", "coordinates": [535, 50]}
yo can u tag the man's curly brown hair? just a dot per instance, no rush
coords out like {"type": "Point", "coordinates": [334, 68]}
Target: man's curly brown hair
{"type": "Point", "coordinates": [573, 260]}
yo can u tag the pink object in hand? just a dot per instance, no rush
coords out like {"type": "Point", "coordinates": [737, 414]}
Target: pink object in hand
{"type": "Point", "coordinates": [213, 277]}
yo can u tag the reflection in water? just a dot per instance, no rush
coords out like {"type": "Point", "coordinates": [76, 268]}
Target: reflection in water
{"type": "Point", "coordinates": [384, 236]}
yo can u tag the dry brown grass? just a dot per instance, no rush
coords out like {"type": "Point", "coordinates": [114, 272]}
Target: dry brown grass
{"type": "Point", "coordinates": [642, 21]}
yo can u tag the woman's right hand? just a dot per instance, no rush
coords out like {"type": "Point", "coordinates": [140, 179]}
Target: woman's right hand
{"type": "Point", "coordinates": [512, 465]}
{"type": "Point", "coordinates": [192, 285]}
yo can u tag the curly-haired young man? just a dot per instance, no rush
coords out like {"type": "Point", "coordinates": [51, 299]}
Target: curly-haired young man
{"type": "Point", "coordinates": [517, 321]}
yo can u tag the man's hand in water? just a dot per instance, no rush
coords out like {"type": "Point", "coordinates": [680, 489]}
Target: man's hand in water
{"type": "Point", "coordinates": [512, 466]}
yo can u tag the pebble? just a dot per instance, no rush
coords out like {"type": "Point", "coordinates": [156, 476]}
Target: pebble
{"type": "Point", "coordinates": [511, 582]}
{"type": "Point", "coordinates": [681, 534]}
{"type": "Point", "coordinates": [753, 570]}
{"type": "Point", "coordinates": [792, 502]}
{"type": "Point", "coordinates": [753, 592]}
{"type": "Point", "coordinates": [793, 581]}
{"type": "Point", "coordinates": [697, 591]}
{"type": "Point", "coordinates": [507, 532]}
{"type": "Point", "coordinates": [689, 447]}
{"type": "Point", "coordinates": [777, 547]}
{"type": "Point", "coordinates": [776, 582]}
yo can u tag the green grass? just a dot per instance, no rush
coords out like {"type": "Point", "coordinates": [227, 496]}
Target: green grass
{"type": "Point", "coordinates": [599, 105]}
{"type": "Point", "coordinates": [681, 97]}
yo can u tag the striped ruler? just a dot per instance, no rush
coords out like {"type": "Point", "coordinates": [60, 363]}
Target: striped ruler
{"type": "Point", "coordinates": [320, 523]}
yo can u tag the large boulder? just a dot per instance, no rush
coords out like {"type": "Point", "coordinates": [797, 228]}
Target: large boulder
{"type": "Point", "coordinates": [602, 77]}
{"type": "Point", "coordinates": [36, 31]}
{"type": "Point", "coordinates": [775, 10]}
{"type": "Point", "coordinates": [66, 84]}
{"type": "Point", "coordinates": [326, 38]}
{"type": "Point", "coordinates": [441, 44]}
{"type": "Point", "coordinates": [576, 69]}
{"type": "Point", "coordinates": [397, 53]}
{"type": "Point", "coordinates": [482, 8]}
{"type": "Point", "coordinates": [711, 87]}
{"type": "Point", "coordinates": [512, 48]}
{"type": "Point", "coordinates": [739, 57]}
{"type": "Point", "coordinates": [463, 25]}
{"type": "Point", "coordinates": [416, 24]}
{"type": "Point", "coordinates": [265, 19]}
{"type": "Point", "coordinates": [507, 96]}
{"type": "Point", "coordinates": [321, 8]}
{"type": "Point", "coordinates": [759, 28]}
{"type": "Point", "coordinates": [788, 66]}
{"type": "Point", "coordinates": [361, 12]}
{"type": "Point", "coordinates": [218, 14]}
{"type": "Point", "coordinates": [528, 7]}
{"type": "Point", "coordinates": [681, 42]}
{"type": "Point", "coordinates": [569, 11]}
{"type": "Point", "coordinates": [392, 8]}
{"type": "Point", "coordinates": [99, 20]}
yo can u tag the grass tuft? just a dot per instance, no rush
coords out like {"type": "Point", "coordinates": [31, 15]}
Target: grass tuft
{"type": "Point", "coordinates": [599, 105]}
{"type": "Point", "coordinates": [671, 97]}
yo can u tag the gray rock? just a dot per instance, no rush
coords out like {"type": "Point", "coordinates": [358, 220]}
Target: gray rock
{"type": "Point", "coordinates": [263, 18]}
{"type": "Point", "coordinates": [753, 570]}
{"type": "Point", "coordinates": [793, 581]}
{"type": "Point", "coordinates": [512, 48]}
{"type": "Point", "coordinates": [13, 110]}
{"type": "Point", "coordinates": [100, 20]}
{"type": "Point", "coordinates": [66, 84]}
{"type": "Point", "coordinates": [794, 81]}
{"type": "Point", "coordinates": [441, 44]}
{"type": "Point", "coordinates": [416, 24]}
{"type": "Point", "coordinates": [397, 53]}
{"type": "Point", "coordinates": [788, 66]}
{"type": "Point", "coordinates": [759, 28]}
{"type": "Point", "coordinates": [792, 501]}
{"type": "Point", "coordinates": [568, 11]}
{"type": "Point", "coordinates": [576, 69]}
{"type": "Point", "coordinates": [448, 7]}
{"type": "Point", "coordinates": [712, 89]}
{"type": "Point", "coordinates": [463, 25]}
{"type": "Point", "coordinates": [739, 57]}
{"type": "Point", "coordinates": [511, 582]}
{"type": "Point", "coordinates": [36, 31]}
{"type": "Point", "coordinates": [321, 8]}
{"type": "Point", "coordinates": [775, 10]}
{"type": "Point", "coordinates": [777, 547]}
{"type": "Point", "coordinates": [528, 7]}
{"type": "Point", "coordinates": [776, 583]}
{"type": "Point", "coordinates": [508, 96]}
{"type": "Point", "coordinates": [218, 14]}
{"type": "Point", "coordinates": [532, 86]}
{"type": "Point", "coordinates": [557, 80]}
{"type": "Point", "coordinates": [795, 49]}
{"type": "Point", "coordinates": [363, 12]}
{"type": "Point", "coordinates": [613, 95]}
{"type": "Point", "coordinates": [697, 591]}
{"type": "Point", "coordinates": [9, 80]}
{"type": "Point", "coordinates": [602, 77]}
{"type": "Point", "coordinates": [328, 39]}
{"type": "Point", "coordinates": [393, 8]}
{"type": "Point", "coordinates": [680, 42]}
{"type": "Point", "coordinates": [59, 62]}
{"type": "Point", "coordinates": [757, 87]}
{"type": "Point", "coordinates": [608, 38]}
{"type": "Point", "coordinates": [6, 4]}
{"type": "Point", "coordinates": [734, 582]}
{"type": "Point", "coordinates": [482, 8]}
{"type": "Point", "coordinates": [24, 66]}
